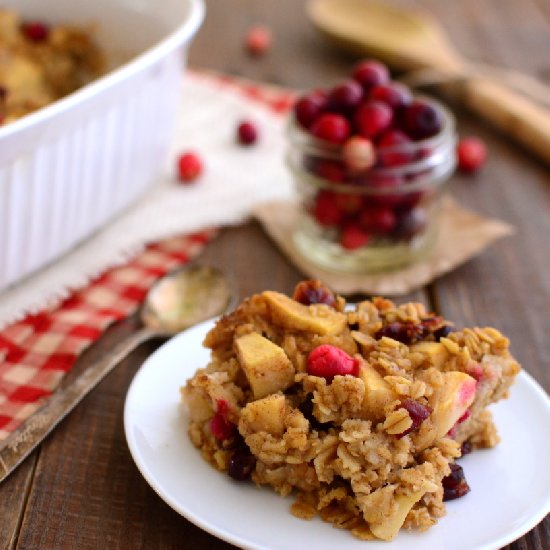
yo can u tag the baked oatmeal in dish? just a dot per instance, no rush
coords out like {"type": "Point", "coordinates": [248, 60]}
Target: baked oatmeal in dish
{"type": "Point", "coordinates": [40, 64]}
{"type": "Point", "coordinates": [360, 413]}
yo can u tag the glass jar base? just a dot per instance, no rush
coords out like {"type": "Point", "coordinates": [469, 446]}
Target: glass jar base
{"type": "Point", "coordinates": [367, 259]}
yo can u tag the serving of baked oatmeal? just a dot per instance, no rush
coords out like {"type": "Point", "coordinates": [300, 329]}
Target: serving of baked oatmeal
{"type": "Point", "coordinates": [361, 413]}
{"type": "Point", "coordinates": [40, 63]}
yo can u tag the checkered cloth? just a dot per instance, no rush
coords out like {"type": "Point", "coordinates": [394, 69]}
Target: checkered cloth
{"type": "Point", "coordinates": [36, 352]}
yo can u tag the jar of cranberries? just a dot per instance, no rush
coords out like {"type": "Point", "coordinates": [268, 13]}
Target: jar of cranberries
{"type": "Point", "coordinates": [370, 162]}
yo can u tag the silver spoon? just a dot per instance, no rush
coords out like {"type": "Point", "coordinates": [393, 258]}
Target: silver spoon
{"type": "Point", "coordinates": [178, 300]}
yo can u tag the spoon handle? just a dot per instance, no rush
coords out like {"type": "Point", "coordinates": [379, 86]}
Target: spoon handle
{"type": "Point", "coordinates": [24, 440]}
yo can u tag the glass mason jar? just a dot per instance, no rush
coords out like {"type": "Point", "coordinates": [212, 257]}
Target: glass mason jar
{"type": "Point", "coordinates": [377, 219]}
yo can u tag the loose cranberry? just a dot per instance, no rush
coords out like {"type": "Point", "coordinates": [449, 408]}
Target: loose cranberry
{"type": "Point", "coordinates": [417, 412]}
{"type": "Point", "coordinates": [241, 465]}
{"type": "Point", "coordinates": [348, 203]}
{"type": "Point", "coordinates": [258, 40]}
{"type": "Point", "coordinates": [313, 291]}
{"type": "Point", "coordinates": [345, 98]}
{"type": "Point", "coordinates": [455, 484]}
{"type": "Point", "coordinates": [373, 118]}
{"type": "Point", "coordinates": [331, 127]}
{"type": "Point", "coordinates": [394, 94]}
{"type": "Point", "coordinates": [247, 133]}
{"type": "Point", "coordinates": [395, 149]}
{"type": "Point", "coordinates": [220, 425]}
{"type": "Point", "coordinates": [371, 73]}
{"type": "Point", "coordinates": [331, 170]}
{"type": "Point", "coordinates": [327, 361]}
{"type": "Point", "coordinates": [309, 107]}
{"type": "Point", "coordinates": [410, 223]}
{"type": "Point", "coordinates": [353, 237]}
{"type": "Point", "coordinates": [36, 31]}
{"type": "Point", "coordinates": [325, 209]}
{"type": "Point", "coordinates": [472, 154]}
{"type": "Point", "coordinates": [380, 221]}
{"type": "Point", "coordinates": [358, 153]}
{"type": "Point", "coordinates": [189, 167]}
{"type": "Point", "coordinates": [422, 120]}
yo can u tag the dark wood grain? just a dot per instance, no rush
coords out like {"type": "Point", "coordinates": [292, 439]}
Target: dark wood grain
{"type": "Point", "coordinates": [82, 489]}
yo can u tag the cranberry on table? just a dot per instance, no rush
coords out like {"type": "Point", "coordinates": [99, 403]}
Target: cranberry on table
{"type": "Point", "coordinates": [328, 361]}
{"type": "Point", "coordinates": [422, 120]}
{"type": "Point", "coordinates": [399, 145]}
{"type": "Point", "coordinates": [309, 107]}
{"type": "Point", "coordinates": [313, 291]}
{"type": "Point", "coordinates": [471, 153]}
{"type": "Point", "coordinates": [189, 166]}
{"type": "Point", "coordinates": [346, 97]}
{"type": "Point", "coordinates": [354, 237]}
{"type": "Point", "coordinates": [373, 118]}
{"type": "Point", "coordinates": [371, 73]}
{"type": "Point", "coordinates": [358, 153]}
{"type": "Point", "coordinates": [325, 209]}
{"type": "Point", "coordinates": [394, 94]}
{"type": "Point", "coordinates": [247, 133]}
{"type": "Point", "coordinates": [258, 40]}
{"type": "Point", "coordinates": [36, 31]}
{"type": "Point", "coordinates": [331, 127]}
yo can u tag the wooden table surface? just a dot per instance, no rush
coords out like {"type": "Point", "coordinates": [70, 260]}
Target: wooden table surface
{"type": "Point", "coordinates": [82, 490]}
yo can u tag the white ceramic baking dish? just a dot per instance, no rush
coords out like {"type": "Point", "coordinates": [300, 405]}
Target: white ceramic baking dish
{"type": "Point", "coordinates": [68, 168]}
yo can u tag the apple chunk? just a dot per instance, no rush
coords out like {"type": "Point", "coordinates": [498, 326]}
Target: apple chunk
{"type": "Point", "coordinates": [265, 364]}
{"type": "Point", "coordinates": [378, 393]}
{"type": "Point", "coordinates": [450, 402]}
{"type": "Point", "coordinates": [318, 318]}
{"type": "Point", "coordinates": [435, 353]}
{"type": "Point", "coordinates": [264, 415]}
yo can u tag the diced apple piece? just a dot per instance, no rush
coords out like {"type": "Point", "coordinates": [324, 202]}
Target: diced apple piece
{"type": "Point", "coordinates": [198, 404]}
{"type": "Point", "coordinates": [389, 528]}
{"type": "Point", "coordinates": [450, 402]}
{"type": "Point", "coordinates": [318, 318]}
{"type": "Point", "coordinates": [378, 393]}
{"type": "Point", "coordinates": [266, 365]}
{"type": "Point", "coordinates": [436, 353]}
{"type": "Point", "coordinates": [264, 415]}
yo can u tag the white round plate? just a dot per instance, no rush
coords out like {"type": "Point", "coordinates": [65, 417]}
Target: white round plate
{"type": "Point", "coordinates": [510, 483]}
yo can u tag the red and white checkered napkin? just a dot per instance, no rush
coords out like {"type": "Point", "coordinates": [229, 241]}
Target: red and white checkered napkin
{"type": "Point", "coordinates": [36, 352]}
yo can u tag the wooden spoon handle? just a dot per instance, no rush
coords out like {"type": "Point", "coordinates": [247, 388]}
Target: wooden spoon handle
{"type": "Point", "coordinates": [519, 117]}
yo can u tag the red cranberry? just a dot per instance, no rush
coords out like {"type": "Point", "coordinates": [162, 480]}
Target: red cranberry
{"type": "Point", "coordinates": [325, 209]}
{"type": "Point", "coordinates": [36, 31]}
{"type": "Point", "coordinates": [247, 134]}
{"type": "Point", "coordinates": [472, 154]}
{"type": "Point", "coordinates": [353, 237]}
{"type": "Point", "coordinates": [410, 223]}
{"type": "Point", "coordinates": [331, 170]}
{"type": "Point", "coordinates": [309, 107]}
{"type": "Point", "coordinates": [378, 220]}
{"type": "Point", "coordinates": [220, 425]}
{"type": "Point", "coordinates": [327, 361]}
{"type": "Point", "coordinates": [405, 332]}
{"type": "Point", "coordinates": [371, 73]}
{"type": "Point", "coordinates": [455, 484]}
{"type": "Point", "coordinates": [422, 120]}
{"type": "Point", "coordinates": [373, 118]}
{"type": "Point", "coordinates": [394, 149]}
{"type": "Point", "coordinates": [358, 153]}
{"type": "Point", "coordinates": [349, 203]}
{"type": "Point", "coordinates": [258, 40]}
{"type": "Point", "coordinates": [346, 97]}
{"type": "Point", "coordinates": [417, 412]}
{"type": "Point", "coordinates": [189, 167]}
{"type": "Point", "coordinates": [394, 94]}
{"type": "Point", "coordinates": [385, 184]}
{"type": "Point", "coordinates": [331, 127]}
{"type": "Point", "coordinates": [313, 291]}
